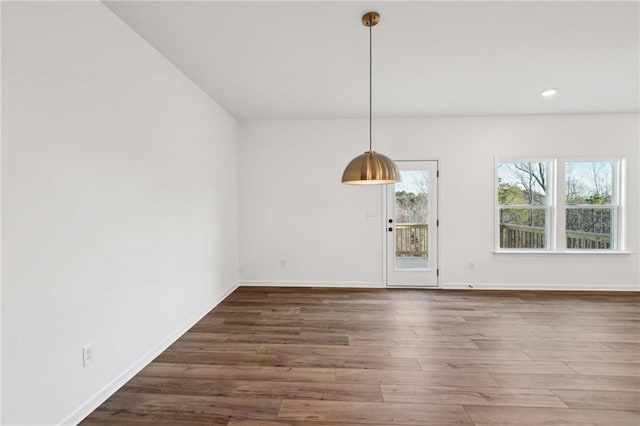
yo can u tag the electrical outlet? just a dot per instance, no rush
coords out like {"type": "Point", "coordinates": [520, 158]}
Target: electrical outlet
{"type": "Point", "coordinates": [283, 264]}
{"type": "Point", "coordinates": [88, 353]}
{"type": "Point", "coordinates": [472, 266]}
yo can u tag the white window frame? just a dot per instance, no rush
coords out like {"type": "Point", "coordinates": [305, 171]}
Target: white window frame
{"type": "Point", "coordinates": [556, 207]}
{"type": "Point", "coordinates": [548, 206]}
{"type": "Point", "coordinates": [616, 244]}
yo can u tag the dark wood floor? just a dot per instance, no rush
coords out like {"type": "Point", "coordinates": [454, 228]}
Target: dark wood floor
{"type": "Point", "coordinates": [311, 356]}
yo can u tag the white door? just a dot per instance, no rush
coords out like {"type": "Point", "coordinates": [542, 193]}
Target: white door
{"type": "Point", "coordinates": [412, 220]}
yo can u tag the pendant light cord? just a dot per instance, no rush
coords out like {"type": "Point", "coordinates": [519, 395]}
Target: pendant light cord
{"type": "Point", "coordinates": [370, 88]}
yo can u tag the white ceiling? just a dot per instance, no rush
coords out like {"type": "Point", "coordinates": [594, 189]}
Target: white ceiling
{"type": "Point", "coordinates": [265, 60]}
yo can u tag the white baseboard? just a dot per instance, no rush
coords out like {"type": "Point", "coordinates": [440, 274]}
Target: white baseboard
{"type": "Point", "coordinates": [448, 286]}
{"type": "Point", "coordinates": [345, 284]}
{"type": "Point", "coordinates": [542, 287]}
{"type": "Point", "coordinates": [94, 402]}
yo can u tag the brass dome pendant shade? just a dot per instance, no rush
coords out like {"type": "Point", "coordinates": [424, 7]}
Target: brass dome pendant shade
{"type": "Point", "coordinates": [370, 168]}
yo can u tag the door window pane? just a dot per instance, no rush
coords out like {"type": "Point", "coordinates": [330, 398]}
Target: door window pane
{"type": "Point", "coordinates": [412, 218]}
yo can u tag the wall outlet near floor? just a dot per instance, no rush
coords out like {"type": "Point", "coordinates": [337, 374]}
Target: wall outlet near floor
{"type": "Point", "coordinates": [283, 264]}
{"type": "Point", "coordinates": [88, 353]}
{"type": "Point", "coordinates": [472, 266]}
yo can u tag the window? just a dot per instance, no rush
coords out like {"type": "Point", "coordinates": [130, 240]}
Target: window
{"type": "Point", "coordinates": [523, 204]}
{"type": "Point", "coordinates": [591, 204]}
{"type": "Point", "coordinates": [558, 205]}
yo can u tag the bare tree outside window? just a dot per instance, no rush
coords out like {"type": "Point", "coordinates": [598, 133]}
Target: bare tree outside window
{"type": "Point", "coordinates": [412, 197]}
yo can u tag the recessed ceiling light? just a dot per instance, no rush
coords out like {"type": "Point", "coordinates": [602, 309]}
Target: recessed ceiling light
{"type": "Point", "coordinates": [549, 93]}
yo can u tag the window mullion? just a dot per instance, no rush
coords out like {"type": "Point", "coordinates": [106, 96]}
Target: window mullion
{"type": "Point", "coordinates": [559, 214]}
{"type": "Point", "coordinates": [620, 197]}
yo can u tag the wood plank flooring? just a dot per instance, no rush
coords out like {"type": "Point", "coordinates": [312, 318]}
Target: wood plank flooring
{"type": "Point", "coordinates": [322, 357]}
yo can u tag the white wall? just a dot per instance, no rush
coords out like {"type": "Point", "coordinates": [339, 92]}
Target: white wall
{"type": "Point", "coordinates": [119, 205]}
{"type": "Point", "coordinates": [294, 208]}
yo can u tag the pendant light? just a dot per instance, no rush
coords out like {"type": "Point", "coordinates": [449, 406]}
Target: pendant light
{"type": "Point", "coordinates": [370, 168]}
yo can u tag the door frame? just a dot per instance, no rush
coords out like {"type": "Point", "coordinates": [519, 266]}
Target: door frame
{"type": "Point", "coordinates": [385, 250]}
